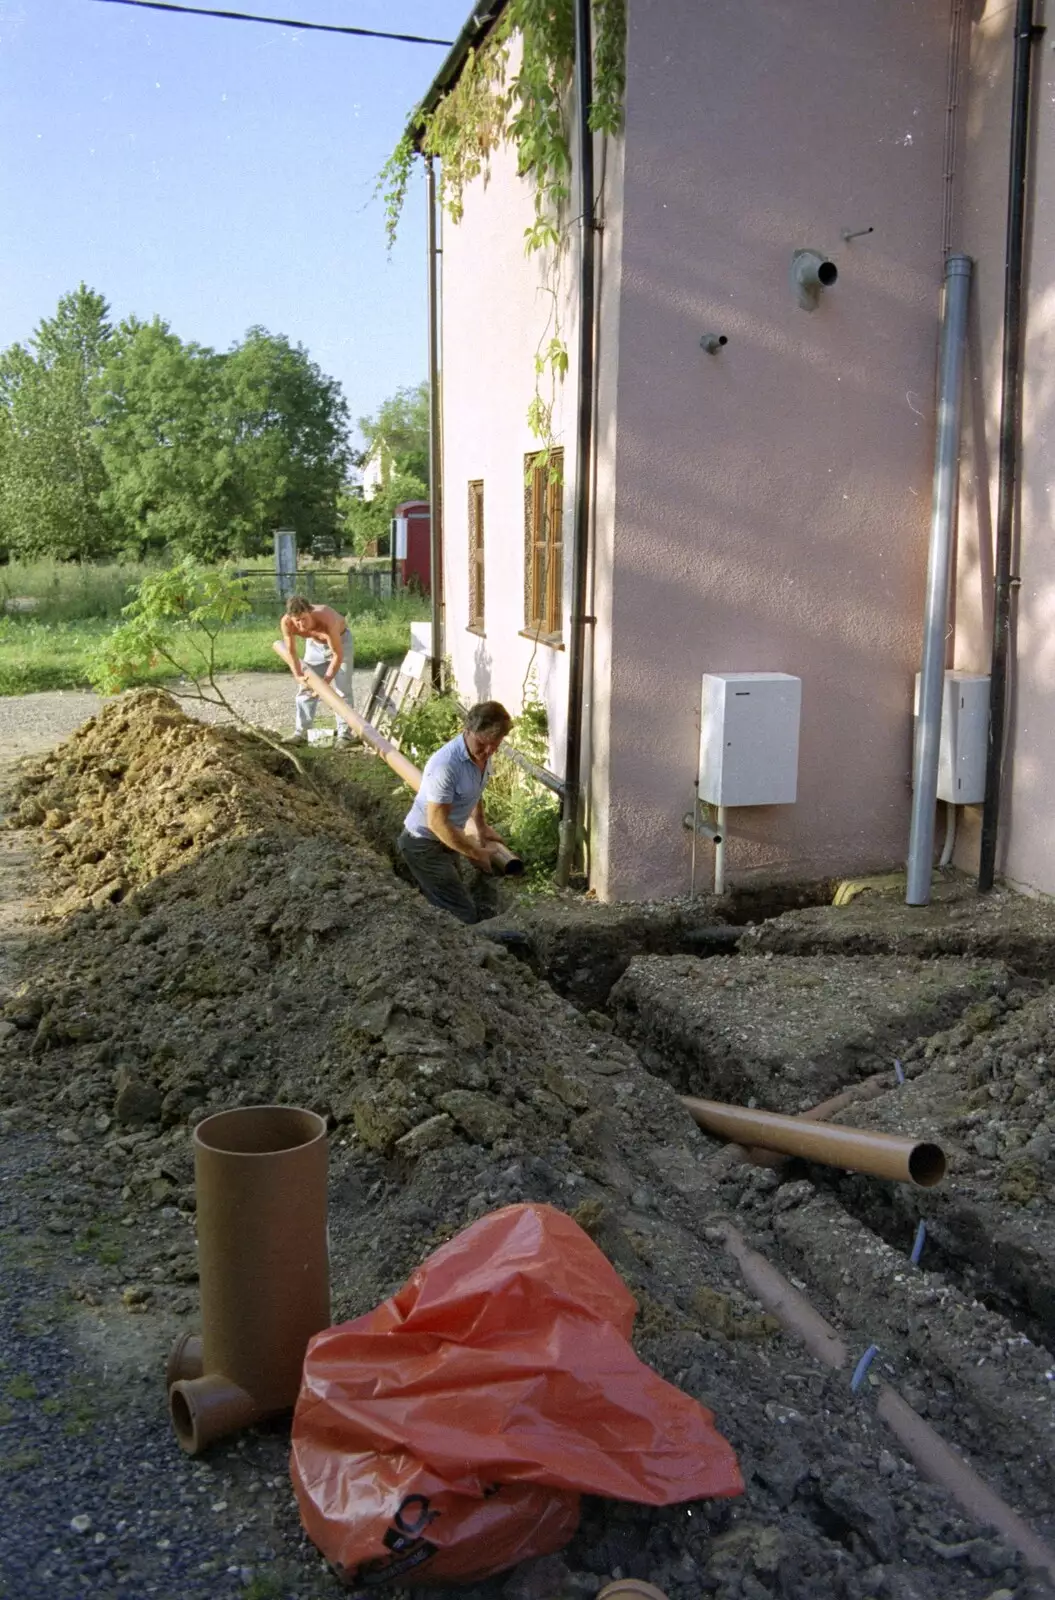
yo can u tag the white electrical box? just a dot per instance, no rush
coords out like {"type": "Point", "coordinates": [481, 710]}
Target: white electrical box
{"type": "Point", "coordinates": [749, 738]}
{"type": "Point", "coordinates": [964, 737]}
{"type": "Point", "coordinates": [421, 637]}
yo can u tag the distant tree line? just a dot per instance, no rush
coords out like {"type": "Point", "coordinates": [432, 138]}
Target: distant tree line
{"type": "Point", "coordinates": [125, 441]}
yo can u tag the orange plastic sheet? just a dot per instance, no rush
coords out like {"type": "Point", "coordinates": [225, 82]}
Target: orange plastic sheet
{"type": "Point", "coordinates": [449, 1434]}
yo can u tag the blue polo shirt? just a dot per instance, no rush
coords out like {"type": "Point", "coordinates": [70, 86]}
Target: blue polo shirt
{"type": "Point", "coordinates": [451, 778]}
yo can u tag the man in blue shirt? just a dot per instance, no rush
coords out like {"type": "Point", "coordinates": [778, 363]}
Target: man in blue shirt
{"type": "Point", "coordinates": [445, 827]}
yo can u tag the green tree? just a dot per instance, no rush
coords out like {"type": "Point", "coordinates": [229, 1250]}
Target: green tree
{"type": "Point", "coordinates": [401, 431]}
{"type": "Point", "coordinates": [176, 616]}
{"type": "Point", "coordinates": [398, 439]}
{"type": "Point", "coordinates": [52, 473]}
{"type": "Point", "coordinates": [207, 453]}
{"type": "Point", "coordinates": [168, 458]}
{"type": "Point", "coordinates": [288, 429]}
{"type": "Point", "coordinates": [364, 521]}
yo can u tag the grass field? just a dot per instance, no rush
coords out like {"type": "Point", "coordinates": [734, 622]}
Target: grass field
{"type": "Point", "coordinates": [54, 615]}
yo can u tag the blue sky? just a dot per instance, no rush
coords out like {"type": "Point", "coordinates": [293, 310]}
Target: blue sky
{"type": "Point", "coordinates": [218, 174]}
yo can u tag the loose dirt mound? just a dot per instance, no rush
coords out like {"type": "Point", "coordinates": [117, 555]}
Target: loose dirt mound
{"type": "Point", "coordinates": [251, 948]}
{"type": "Point", "coordinates": [141, 790]}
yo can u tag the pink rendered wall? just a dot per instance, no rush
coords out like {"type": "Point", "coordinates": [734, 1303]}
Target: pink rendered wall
{"type": "Point", "coordinates": [772, 501]}
{"type": "Point", "coordinates": [1026, 841]}
{"type": "Point", "coordinates": [496, 310]}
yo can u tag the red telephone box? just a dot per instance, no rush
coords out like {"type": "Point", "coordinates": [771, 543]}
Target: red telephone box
{"type": "Point", "coordinates": [412, 545]}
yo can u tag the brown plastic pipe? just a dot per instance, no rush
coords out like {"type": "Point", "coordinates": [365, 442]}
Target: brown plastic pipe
{"type": "Point", "coordinates": [857, 1094]}
{"type": "Point", "coordinates": [631, 1589]}
{"type": "Point", "coordinates": [340, 708]}
{"type": "Point", "coordinates": [263, 1265]}
{"type": "Point", "coordinates": [508, 864]}
{"type": "Point", "coordinates": [854, 1149]}
{"type": "Point", "coordinates": [926, 1447]}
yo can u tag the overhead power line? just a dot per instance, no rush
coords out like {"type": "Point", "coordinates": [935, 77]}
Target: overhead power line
{"type": "Point", "coordinates": [276, 22]}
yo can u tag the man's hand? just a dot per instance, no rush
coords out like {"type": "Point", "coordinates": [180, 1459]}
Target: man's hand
{"type": "Point", "coordinates": [482, 859]}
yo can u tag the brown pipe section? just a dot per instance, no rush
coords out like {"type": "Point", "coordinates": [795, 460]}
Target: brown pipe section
{"type": "Point", "coordinates": [857, 1094]}
{"type": "Point", "coordinates": [785, 1302]}
{"type": "Point", "coordinates": [631, 1589]}
{"type": "Point", "coordinates": [507, 864]}
{"type": "Point", "coordinates": [263, 1262]}
{"type": "Point", "coordinates": [854, 1149]}
{"type": "Point", "coordinates": [927, 1448]}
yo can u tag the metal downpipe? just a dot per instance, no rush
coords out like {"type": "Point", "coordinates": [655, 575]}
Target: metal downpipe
{"type": "Point", "coordinates": [1010, 434]}
{"type": "Point", "coordinates": [571, 799]}
{"type": "Point", "coordinates": [939, 566]}
{"type": "Point", "coordinates": [435, 432]}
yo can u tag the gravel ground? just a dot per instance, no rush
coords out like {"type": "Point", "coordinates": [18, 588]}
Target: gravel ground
{"type": "Point", "coordinates": [31, 723]}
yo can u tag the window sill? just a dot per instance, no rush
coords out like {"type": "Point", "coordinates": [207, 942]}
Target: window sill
{"type": "Point", "coordinates": [479, 630]}
{"type": "Point", "coordinates": [552, 640]}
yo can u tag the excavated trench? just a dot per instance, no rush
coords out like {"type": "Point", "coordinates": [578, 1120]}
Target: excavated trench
{"type": "Point", "coordinates": [967, 1331]}
{"type": "Point", "coordinates": [275, 957]}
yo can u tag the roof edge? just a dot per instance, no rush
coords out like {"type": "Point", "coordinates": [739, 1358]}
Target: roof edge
{"type": "Point", "coordinates": [481, 21]}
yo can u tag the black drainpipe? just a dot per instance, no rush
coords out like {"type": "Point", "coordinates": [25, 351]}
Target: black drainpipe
{"type": "Point", "coordinates": [435, 445]}
{"type": "Point", "coordinates": [1010, 432]}
{"type": "Point", "coordinates": [571, 800]}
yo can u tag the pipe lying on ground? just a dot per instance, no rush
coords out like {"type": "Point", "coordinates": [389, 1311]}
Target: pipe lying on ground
{"type": "Point", "coordinates": [631, 1589]}
{"type": "Point", "coordinates": [502, 859]}
{"type": "Point", "coordinates": [854, 1149]}
{"type": "Point", "coordinates": [927, 1448]}
{"type": "Point", "coordinates": [857, 1094]}
{"type": "Point", "coordinates": [260, 1183]}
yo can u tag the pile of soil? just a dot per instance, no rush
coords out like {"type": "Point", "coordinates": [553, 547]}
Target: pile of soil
{"type": "Point", "coordinates": [222, 935]}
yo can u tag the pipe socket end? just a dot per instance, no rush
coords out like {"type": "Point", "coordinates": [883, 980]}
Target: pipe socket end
{"type": "Point", "coordinates": [206, 1409]}
{"type": "Point", "coordinates": [186, 1359]}
{"type": "Point", "coordinates": [926, 1165]}
{"type": "Point", "coordinates": [713, 342]}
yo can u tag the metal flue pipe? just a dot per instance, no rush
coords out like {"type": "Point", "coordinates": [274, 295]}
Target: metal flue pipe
{"type": "Point", "coordinates": [1010, 434]}
{"type": "Point", "coordinates": [854, 1149]}
{"type": "Point", "coordinates": [502, 859]}
{"type": "Point", "coordinates": [939, 567]}
{"type": "Point", "coordinates": [435, 430]}
{"type": "Point", "coordinates": [571, 800]}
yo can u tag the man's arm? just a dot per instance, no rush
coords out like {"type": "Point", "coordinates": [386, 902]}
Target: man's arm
{"type": "Point", "coordinates": [437, 819]}
{"type": "Point", "coordinates": [484, 832]}
{"type": "Point", "coordinates": [334, 628]}
{"type": "Point", "coordinates": [289, 638]}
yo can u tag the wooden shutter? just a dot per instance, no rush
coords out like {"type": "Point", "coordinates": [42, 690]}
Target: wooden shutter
{"type": "Point", "coordinates": [544, 544]}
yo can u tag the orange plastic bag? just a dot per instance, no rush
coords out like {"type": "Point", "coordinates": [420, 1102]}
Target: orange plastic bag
{"type": "Point", "coordinates": [449, 1434]}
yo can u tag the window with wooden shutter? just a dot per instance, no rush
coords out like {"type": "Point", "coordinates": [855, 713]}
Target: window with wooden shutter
{"type": "Point", "coordinates": [476, 556]}
{"type": "Point", "coordinates": [544, 544]}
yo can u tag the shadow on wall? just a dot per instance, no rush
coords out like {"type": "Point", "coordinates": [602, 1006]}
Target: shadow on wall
{"type": "Point", "coordinates": [481, 671]}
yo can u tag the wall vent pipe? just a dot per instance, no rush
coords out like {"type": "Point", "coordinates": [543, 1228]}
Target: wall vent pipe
{"type": "Point", "coordinates": [939, 567]}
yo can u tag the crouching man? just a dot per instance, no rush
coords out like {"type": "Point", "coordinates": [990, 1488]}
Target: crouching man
{"type": "Point", "coordinates": [446, 842]}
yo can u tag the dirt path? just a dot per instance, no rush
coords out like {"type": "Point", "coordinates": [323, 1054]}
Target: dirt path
{"type": "Point", "coordinates": [33, 723]}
